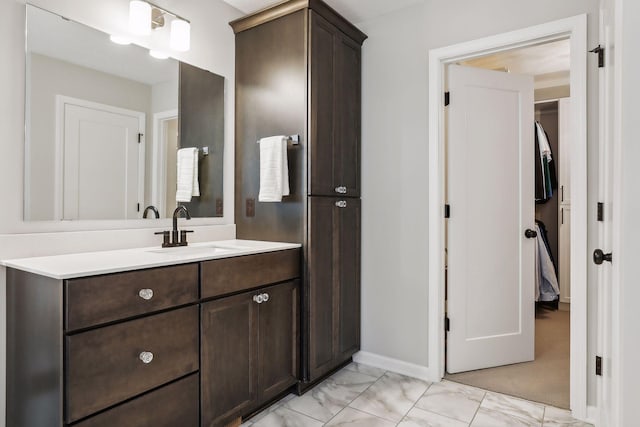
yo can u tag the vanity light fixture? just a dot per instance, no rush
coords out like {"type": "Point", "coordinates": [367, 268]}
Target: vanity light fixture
{"type": "Point", "coordinates": [145, 16]}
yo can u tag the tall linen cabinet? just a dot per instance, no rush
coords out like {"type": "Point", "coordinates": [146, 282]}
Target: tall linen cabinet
{"type": "Point", "coordinates": [298, 72]}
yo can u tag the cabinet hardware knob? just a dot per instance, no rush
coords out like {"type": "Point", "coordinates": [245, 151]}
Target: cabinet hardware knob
{"type": "Point", "coordinates": [341, 204]}
{"type": "Point", "coordinates": [265, 297]}
{"type": "Point", "coordinates": [146, 294]}
{"type": "Point", "coordinates": [530, 234]}
{"type": "Point", "coordinates": [341, 189]}
{"type": "Point", "coordinates": [258, 298]}
{"type": "Point", "coordinates": [146, 357]}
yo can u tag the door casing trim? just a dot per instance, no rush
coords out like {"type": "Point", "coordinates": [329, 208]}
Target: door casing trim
{"type": "Point", "coordinates": [575, 29]}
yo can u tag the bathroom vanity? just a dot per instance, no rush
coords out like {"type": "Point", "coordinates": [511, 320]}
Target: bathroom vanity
{"type": "Point", "coordinates": [199, 335]}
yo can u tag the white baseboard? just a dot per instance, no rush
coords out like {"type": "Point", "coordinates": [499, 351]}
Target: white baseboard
{"type": "Point", "coordinates": [394, 365]}
{"type": "Point", "coordinates": [593, 414]}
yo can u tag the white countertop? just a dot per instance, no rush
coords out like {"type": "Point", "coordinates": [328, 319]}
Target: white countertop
{"type": "Point", "coordinates": [95, 263]}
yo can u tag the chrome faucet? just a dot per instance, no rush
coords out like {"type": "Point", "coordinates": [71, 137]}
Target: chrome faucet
{"type": "Point", "coordinates": [153, 209]}
{"type": "Point", "coordinates": [172, 240]}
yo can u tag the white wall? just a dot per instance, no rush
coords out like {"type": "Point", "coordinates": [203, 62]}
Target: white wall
{"type": "Point", "coordinates": [212, 48]}
{"type": "Point", "coordinates": [395, 155]}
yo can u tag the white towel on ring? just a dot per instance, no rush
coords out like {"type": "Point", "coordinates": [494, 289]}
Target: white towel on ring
{"type": "Point", "coordinates": [274, 169]}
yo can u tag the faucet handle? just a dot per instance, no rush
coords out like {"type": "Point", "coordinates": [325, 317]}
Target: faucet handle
{"type": "Point", "coordinates": [165, 238]}
{"type": "Point", "coordinates": [183, 237]}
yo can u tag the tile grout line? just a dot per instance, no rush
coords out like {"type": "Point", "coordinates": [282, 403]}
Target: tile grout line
{"type": "Point", "coordinates": [484, 395]}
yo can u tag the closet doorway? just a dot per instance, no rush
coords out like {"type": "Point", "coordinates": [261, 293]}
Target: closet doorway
{"type": "Point", "coordinates": [522, 350]}
{"type": "Point", "coordinates": [560, 316]}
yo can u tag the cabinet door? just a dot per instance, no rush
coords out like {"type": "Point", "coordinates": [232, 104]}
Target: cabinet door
{"type": "Point", "coordinates": [335, 87]}
{"type": "Point", "coordinates": [229, 340]}
{"type": "Point", "coordinates": [278, 356]}
{"type": "Point", "coordinates": [322, 176]}
{"type": "Point", "coordinates": [348, 243]}
{"type": "Point", "coordinates": [322, 296]}
{"type": "Point", "coordinates": [347, 115]}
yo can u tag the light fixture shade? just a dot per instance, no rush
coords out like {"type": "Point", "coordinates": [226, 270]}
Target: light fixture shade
{"type": "Point", "coordinates": [180, 35]}
{"type": "Point", "coordinates": [140, 17]}
{"type": "Point", "coordinates": [120, 40]}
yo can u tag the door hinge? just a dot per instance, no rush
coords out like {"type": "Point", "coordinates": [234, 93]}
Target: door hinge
{"type": "Point", "coordinates": [600, 51]}
{"type": "Point", "coordinates": [599, 366]}
{"type": "Point", "coordinates": [140, 135]}
{"type": "Point", "coordinates": [600, 211]}
{"type": "Point", "coordinates": [138, 207]}
{"type": "Point", "coordinates": [447, 98]}
{"type": "Point", "coordinates": [447, 211]}
{"type": "Point", "coordinates": [447, 324]}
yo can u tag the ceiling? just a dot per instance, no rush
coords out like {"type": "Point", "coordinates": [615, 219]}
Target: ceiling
{"type": "Point", "coordinates": [356, 11]}
{"type": "Point", "coordinates": [549, 63]}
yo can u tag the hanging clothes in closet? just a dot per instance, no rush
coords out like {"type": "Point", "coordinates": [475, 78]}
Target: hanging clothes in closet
{"type": "Point", "coordinates": [547, 288]}
{"type": "Point", "coordinates": [546, 178]}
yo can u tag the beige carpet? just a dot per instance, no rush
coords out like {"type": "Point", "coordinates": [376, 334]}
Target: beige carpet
{"type": "Point", "coordinates": [545, 380]}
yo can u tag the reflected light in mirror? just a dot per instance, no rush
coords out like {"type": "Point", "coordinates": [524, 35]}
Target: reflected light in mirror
{"type": "Point", "coordinates": [121, 40]}
{"type": "Point", "coordinates": [140, 17]}
{"type": "Point", "coordinates": [180, 35]}
{"type": "Point", "coordinates": [158, 54]}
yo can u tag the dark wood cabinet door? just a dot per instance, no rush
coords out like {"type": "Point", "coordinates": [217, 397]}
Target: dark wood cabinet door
{"type": "Point", "coordinates": [322, 296]}
{"type": "Point", "coordinates": [335, 94]}
{"type": "Point", "coordinates": [278, 351]}
{"type": "Point", "coordinates": [229, 338]}
{"type": "Point", "coordinates": [347, 116]}
{"type": "Point", "coordinates": [348, 242]}
{"type": "Point", "coordinates": [322, 104]}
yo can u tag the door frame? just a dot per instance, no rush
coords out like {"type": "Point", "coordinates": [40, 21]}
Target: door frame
{"type": "Point", "coordinates": [159, 163]}
{"type": "Point", "coordinates": [575, 29]}
{"type": "Point", "coordinates": [61, 101]}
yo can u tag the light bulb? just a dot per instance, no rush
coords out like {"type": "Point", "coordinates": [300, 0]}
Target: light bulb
{"type": "Point", "coordinates": [140, 17]}
{"type": "Point", "coordinates": [120, 40]}
{"type": "Point", "coordinates": [180, 35]}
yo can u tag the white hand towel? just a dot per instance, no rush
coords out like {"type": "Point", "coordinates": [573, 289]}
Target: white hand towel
{"type": "Point", "coordinates": [188, 185]}
{"type": "Point", "coordinates": [274, 169]}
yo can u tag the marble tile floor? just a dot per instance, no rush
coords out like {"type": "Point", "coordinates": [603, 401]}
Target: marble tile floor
{"type": "Point", "coordinates": [363, 396]}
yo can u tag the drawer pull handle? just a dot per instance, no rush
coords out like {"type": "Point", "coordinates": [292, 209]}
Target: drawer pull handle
{"type": "Point", "coordinates": [341, 204]}
{"type": "Point", "coordinates": [258, 298]}
{"type": "Point", "coordinates": [265, 297]}
{"type": "Point", "coordinates": [146, 357]}
{"type": "Point", "coordinates": [146, 294]}
{"type": "Point", "coordinates": [341, 190]}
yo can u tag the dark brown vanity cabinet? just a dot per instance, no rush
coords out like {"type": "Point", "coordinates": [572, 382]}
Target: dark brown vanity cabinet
{"type": "Point", "coordinates": [250, 341]}
{"type": "Point", "coordinates": [112, 343]}
{"type": "Point", "coordinates": [298, 71]}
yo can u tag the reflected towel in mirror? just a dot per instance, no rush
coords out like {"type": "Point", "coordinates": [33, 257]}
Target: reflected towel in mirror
{"type": "Point", "coordinates": [188, 185]}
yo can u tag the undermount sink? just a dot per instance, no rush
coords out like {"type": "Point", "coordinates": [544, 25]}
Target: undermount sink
{"type": "Point", "coordinates": [191, 250]}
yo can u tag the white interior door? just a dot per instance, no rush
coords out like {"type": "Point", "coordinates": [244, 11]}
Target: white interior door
{"type": "Point", "coordinates": [490, 189]}
{"type": "Point", "coordinates": [102, 176]}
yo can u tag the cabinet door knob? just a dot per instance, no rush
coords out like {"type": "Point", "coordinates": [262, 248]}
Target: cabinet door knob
{"type": "Point", "coordinates": [146, 357]}
{"type": "Point", "coordinates": [265, 297]}
{"type": "Point", "coordinates": [258, 298]}
{"type": "Point", "coordinates": [341, 204]}
{"type": "Point", "coordinates": [341, 189]}
{"type": "Point", "coordinates": [146, 294]}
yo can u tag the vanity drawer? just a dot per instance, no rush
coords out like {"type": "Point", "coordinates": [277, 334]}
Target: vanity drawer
{"type": "Point", "coordinates": [95, 300]}
{"type": "Point", "coordinates": [230, 275]}
{"type": "Point", "coordinates": [173, 405]}
{"type": "Point", "coordinates": [105, 366]}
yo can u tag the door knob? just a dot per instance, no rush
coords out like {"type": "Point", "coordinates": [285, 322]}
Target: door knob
{"type": "Point", "coordinates": [599, 257]}
{"type": "Point", "coordinates": [530, 234]}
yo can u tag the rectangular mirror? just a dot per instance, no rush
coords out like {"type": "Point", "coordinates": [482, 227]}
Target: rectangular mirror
{"type": "Point", "coordinates": [107, 123]}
